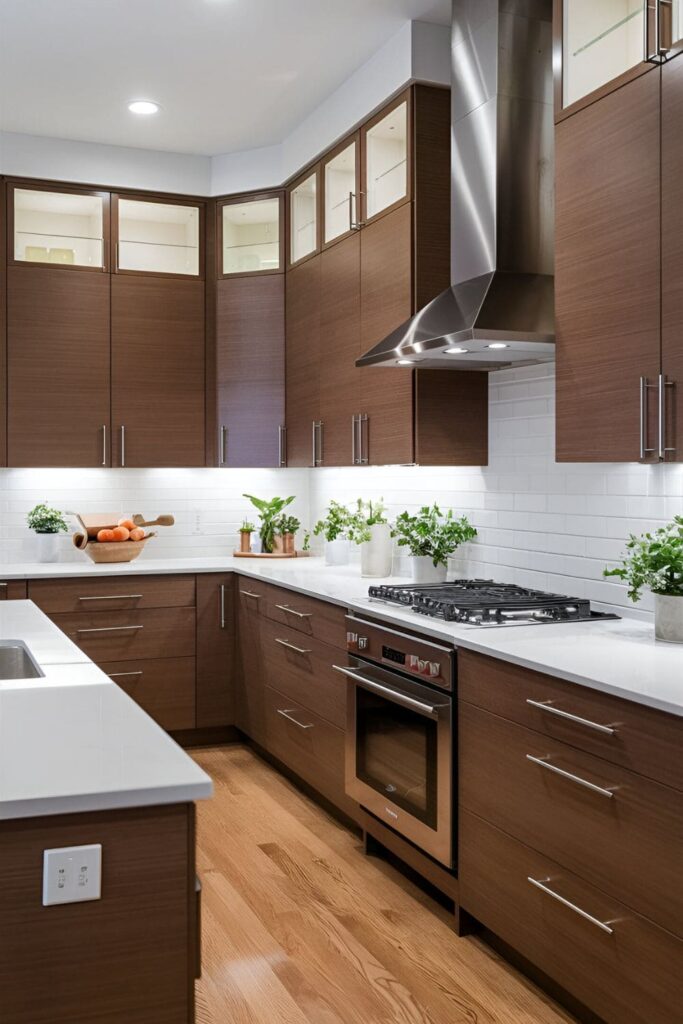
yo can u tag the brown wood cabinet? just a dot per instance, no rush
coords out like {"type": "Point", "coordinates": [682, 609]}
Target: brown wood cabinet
{"type": "Point", "coordinates": [215, 650]}
{"type": "Point", "coordinates": [303, 344]}
{"type": "Point", "coordinates": [672, 258]}
{"type": "Point", "coordinates": [250, 714]}
{"type": "Point", "coordinates": [13, 590]}
{"type": "Point", "coordinates": [3, 325]}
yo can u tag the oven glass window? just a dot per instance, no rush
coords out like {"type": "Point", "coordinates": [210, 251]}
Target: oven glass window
{"type": "Point", "coordinates": [397, 754]}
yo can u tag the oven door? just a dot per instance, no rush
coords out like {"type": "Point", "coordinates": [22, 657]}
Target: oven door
{"type": "Point", "coordinates": [399, 754]}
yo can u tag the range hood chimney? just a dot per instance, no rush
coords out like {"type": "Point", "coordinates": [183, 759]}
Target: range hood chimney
{"type": "Point", "coordinates": [499, 310]}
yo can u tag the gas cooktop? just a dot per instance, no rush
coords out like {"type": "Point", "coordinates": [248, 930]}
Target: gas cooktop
{"type": "Point", "coordinates": [487, 603]}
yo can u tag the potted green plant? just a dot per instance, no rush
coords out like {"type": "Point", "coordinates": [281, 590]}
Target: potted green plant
{"type": "Point", "coordinates": [268, 511]}
{"type": "Point", "coordinates": [285, 534]}
{"type": "Point", "coordinates": [370, 529]}
{"type": "Point", "coordinates": [246, 530]}
{"type": "Point", "coordinates": [47, 523]}
{"type": "Point", "coordinates": [431, 536]}
{"type": "Point", "coordinates": [655, 560]}
{"type": "Point", "coordinates": [334, 527]}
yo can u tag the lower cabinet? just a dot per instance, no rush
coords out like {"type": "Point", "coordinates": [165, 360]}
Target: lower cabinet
{"type": "Point", "coordinates": [164, 687]}
{"type": "Point", "coordinates": [215, 651]}
{"type": "Point", "coordinates": [13, 590]}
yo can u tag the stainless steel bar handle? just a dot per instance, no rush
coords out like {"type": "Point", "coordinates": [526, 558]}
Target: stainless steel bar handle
{"type": "Point", "coordinates": [314, 443]}
{"type": "Point", "coordinates": [320, 443]}
{"type": "Point", "coordinates": [104, 444]}
{"type": "Point", "coordinates": [222, 589]}
{"type": "Point", "coordinates": [354, 225]}
{"type": "Point", "coordinates": [386, 691]}
{"type": "Point", "coordinates": [222, 446]}
{"type": "Point", "coordinates": [540, 883]}
{"type": "Point", "coordinates": [609, 730]}
{"type": "Point", "coordinates": [112, 597]}
{"type": "Point", "coordinates": [293, 611]}
{"type": "Point", "coordinates": [123, 445]}
{"type": "Point", "coordinates": [250, 593]}
{"type": "Point", "coordinates": [281, 446]}
{"type": "Point", "coordinates": [644, 385]}
{"type": "Point", "coordinates": [292, 647]}
{"type": "Point", "coordinates": [543, 763]}
{"type": "Point", "coordinates": [354, 457]}
{"type": "Point", "coordinates": [664, 26]}
{"type": "Point", "coordinates": [288, 714]}
{"type": "Point", "coordinates": [109, 629]}
{"type": "Point", "coordinates": [662, 385]}
{"type": "Point", "coordinates": [120, 675]}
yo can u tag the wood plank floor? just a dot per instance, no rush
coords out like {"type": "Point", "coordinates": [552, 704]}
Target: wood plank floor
{"type": "Point", "coordinates": [300, 927]}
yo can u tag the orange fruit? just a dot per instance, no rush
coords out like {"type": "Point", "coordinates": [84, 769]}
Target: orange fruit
{"type": "Point", "coordinates": [127, 523]}
{"type": "Point", "coordinates": [105, 535]}
{"type": "Point", "coordinates": [120, 533]}
{"type": "Point", "coordinates": [137, 534]}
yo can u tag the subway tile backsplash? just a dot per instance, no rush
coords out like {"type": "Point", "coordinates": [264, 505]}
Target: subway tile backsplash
{"type": "Point", "coordinates": [547, 525]}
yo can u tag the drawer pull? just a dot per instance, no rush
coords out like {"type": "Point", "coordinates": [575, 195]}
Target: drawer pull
{"type": "Point", "coordinates": [3, 584]}
{"type": "Point", "coordinates": [547, 706]}
{"type": "Point", "coordinates": [287, 713]}
{"type": "Point", "coordinates": [250, 593]}
{"type": "Point", "coordinates": [112, 597]}
{"type": "Point", "coordinates": [543, 763]}
{"type": "Point", "coordinates": [120, 675]}
{"type": "Point", "coordinates": [222, 593]}
{"type": "Point", "coordinates": [291, 647]}
{"type": "Point", "coordinates": [540, 884]}
{"type": "Point", "coordinates": [292, 611]}
{"type": "Point", "coordinates": [109, 629]}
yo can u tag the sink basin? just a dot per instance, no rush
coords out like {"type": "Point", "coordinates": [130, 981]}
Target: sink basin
{"type": "Point", "coordinates": [17, 662]}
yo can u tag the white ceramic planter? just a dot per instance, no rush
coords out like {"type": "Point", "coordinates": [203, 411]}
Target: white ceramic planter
{"type": "Point", "coordinates": [48, 547]}
{"type": "Point", "coordinates": [669, 618]}
{"type": "Point", "coordinates": [337, 551]}
{"type": "Point", "coordinates": [375, 554]}
{"type": "Point", "coordinates": [423, 570]}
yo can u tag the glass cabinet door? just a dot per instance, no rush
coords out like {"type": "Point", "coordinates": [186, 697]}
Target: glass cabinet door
{"type": "Point", "coordinates": [303, 218]}
{"type": "Point", "coordinates": [251, 236]}
{"type": "Point", "coordinates": [157, 238]}
{"type": "Point", "coordinates": [600, 41]}
{"type": "Point", "coordinates": [60, 228]}
{"type": "Point", "coordinates": [340, 189]}
{"type": "Point", "coordinates": [386, 152]}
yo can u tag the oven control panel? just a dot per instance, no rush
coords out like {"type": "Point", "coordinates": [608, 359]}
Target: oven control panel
{"type": "Point", "coordinates": [414, 656]}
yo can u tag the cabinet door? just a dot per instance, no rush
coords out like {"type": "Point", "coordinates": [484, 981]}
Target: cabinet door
{"type": "Point", "coordinates": [67, 228]}
{"type": "Point", "coordinates": [13, 590]}
{"type": "Point", "coordinates": [215, 650]}
{"type": "Point", "coordinates": [386, 158]}
{"type": "Point", "coordinates": [3, 326]}
{"type": "Point", "coordinates": [607, 279]}
{"type": "Point", "coordinates": [58, 368]}
{"type": "Point", "coordinates": [251, 234]}
{"type": "Point", "coordinates": [672, 257]}
{"type": "Point", "coordinates": [157, 237]}
{"type": "Point", "coordinates": [386, 302]}
{"type": "Point", "coordinates": [251, 672]}
{"type": "Point", "coordinates": [250, 370]}
{"type": "Point", "coordinates": [157, 360]}
{"type": "Point", "coordinates": [340, 379]}
{"type": "Point", "coordinates": [303, 305]}
{"type": "Point", "coordinates": [304, 217]}
{"type": "Point", "coordinates": [341, 198]}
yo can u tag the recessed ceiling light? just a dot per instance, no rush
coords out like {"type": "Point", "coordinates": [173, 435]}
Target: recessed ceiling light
{"type": "Point", "coordinates": [405, 362]}
{"type": "Point", "coordinates": [497, 344]}
{"type": "Point", "coordinates": [455, 350]}
{"type": "Point", "coordinates": [143, 107]}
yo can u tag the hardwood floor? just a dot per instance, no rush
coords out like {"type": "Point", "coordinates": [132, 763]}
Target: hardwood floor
{"type": "Point", "coordinates": [300, 927]}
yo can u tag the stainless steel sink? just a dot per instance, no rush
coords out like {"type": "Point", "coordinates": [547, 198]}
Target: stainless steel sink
{"type": "Point", "coordinates": [17, 662]}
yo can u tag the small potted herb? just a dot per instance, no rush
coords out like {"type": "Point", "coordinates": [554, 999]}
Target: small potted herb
{"type": "Point", "coordinates": [246, 530]}
{"type": "Point", "coordinates": [655, 560]}
{"type": "Point", "coordinates": [47, 523]}
{"type": "Point", "coordinates": [334, 527]}
{"type": "Point", "coordinates": [370, 529]}
{"type": "Point", "coordinates": [269, 512]}
{"type": "Point", "coordinates": [432, 536]}
{"type": "Point", "coordinates": [285, 534]}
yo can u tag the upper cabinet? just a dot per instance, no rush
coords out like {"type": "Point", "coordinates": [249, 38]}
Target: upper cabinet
{"type": "Point", "coordinates": [157, 237]}
{"type": "Point", "coordinates": [251, 235]}
{"type": "Point", "coordinates": [386, 158]}
{"type": "Point", "coordinates": [304, 216]}
{"type": "Point", "coordinates": [341, 202]}
{"type": "Point", "coordinates": [58, 227]}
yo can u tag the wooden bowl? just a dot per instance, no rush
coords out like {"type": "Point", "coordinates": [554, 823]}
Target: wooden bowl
{"type": "Point", "coordinates": [114, 551]}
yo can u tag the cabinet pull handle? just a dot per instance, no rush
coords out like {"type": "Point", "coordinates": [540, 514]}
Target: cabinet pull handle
{"type": "Point", "coordinates": [222, 588]}
{"type": "Point", "coordinates": [321, 442]}
{"type": "Point", "coordinates": [123, 445]}
{"type": "Point", "coordinates": [317, 437]}
{"type": "Point", "coordinates": [540, 883]}
{"type": "Point", "coordinates": [544, 763]}
{"type": "Point", "coordinates": [288, 714]}
{"type": "Point", "coordinates": [364, 421]}
{"type": "Point", "coordinates": [112, 597]}
{"type": "Point", "coordinates": [547, 706]}
{"type": "Point", "coordinates": [104, 444]}
{"type": "Point", "coordinates": [250, 593]}
{"type": "Point", "coordinates": [4, 584]}
{"type": "Point", "coordinates": [644, 386]}
{"type": "Point", "coordinates": [281, 446]}
{"type": "Point", "coordinates": [293, 611]}
{"type": "Point", "coordinates": [664, 26]}
{"type": "Point", "coordinates": [222, 446]}
{"type": "Point", "coordinates": [119, 675]}
{"type": "Point", "coordinates": [663, 384]}
{"type": "Point", "coordinates": [109, 629]}
{"type": "Point", "coordinates": [314, 445]}
{"type": "Point", "coordinates": [354, 225]}
{"type": "Point", "coordinates": [291, 647]}
{"type": "Point", "coordinates": [354, 457]}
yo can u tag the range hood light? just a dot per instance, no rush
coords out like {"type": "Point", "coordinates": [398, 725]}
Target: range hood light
{"type": "Point", "coordinates": [404, 362]}
{"type": "Point", "coordinates": [497, 344]}
{"type": "Point", "coordinates": [455, 350]}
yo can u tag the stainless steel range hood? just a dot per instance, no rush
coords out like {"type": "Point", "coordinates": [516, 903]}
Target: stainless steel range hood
{"type": "Point", "coordinates": [499, 310]}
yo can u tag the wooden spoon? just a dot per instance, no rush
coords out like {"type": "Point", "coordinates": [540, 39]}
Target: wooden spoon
{"type": "Point", "coordinates": [166, 520]}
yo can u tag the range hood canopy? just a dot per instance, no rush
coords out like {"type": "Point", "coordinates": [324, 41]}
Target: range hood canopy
{"type": "Point", "coordinates": [499, 310]}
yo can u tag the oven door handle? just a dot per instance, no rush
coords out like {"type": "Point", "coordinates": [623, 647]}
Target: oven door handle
{"type": "Point", "coordinates": [432, 710]}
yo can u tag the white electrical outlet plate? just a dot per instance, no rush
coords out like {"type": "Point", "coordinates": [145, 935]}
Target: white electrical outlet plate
{"type": "Point", "coordinates": [72, 874]}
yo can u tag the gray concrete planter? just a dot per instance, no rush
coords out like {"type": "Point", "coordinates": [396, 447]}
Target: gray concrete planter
{"type": "Point", "coordinates": [669, 618]}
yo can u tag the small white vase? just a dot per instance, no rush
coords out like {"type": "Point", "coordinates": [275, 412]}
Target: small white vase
{"type": "Point", "coordinates": [669, 618]}
{"type": "Point", "coordinates": [423, 570]}
{"type": "Point", "coordinates": [337, 551]}
{"type": "Point", "coordinates": [48, 547]}
{"type": "Point", "coordinates": [375, 554]}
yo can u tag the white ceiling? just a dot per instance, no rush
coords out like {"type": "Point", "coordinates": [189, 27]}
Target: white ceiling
{"type": "Point", "coordinates": [230, 75]}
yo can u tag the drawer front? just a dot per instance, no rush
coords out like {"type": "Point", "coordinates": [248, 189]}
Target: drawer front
{"type": "Point", "coordinates": [300, 667]}
{"type": "Point", "coordinates": [631, 976]}
{"type": "Point", "coordinates": [629, 844]}
{"type": "Point", "coordinates": [306, 615]}
{"type": "Point", "coordinates": [112, 593]}
{"type": "Point", "coordinates": [13, 590]}
{"type": "Point", "coordinates": [126, 636]}
{"type": "Point", "coordinates": [251, 596]}
{"type": "Point", "coordinates": [646, 741]}
{"type": "Point", "coordinates": [308, 745]}
{"type": "Point", "coordinates": [164, 687]}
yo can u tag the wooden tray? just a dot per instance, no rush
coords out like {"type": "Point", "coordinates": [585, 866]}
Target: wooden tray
{"type": "Point", "coordinates": [268, 554]}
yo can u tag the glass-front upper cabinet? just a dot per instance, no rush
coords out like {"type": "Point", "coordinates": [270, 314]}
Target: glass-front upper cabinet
{"type": "Point", "coordinates": [251, 232]}
{"type": "Point", "coordinates": [386, 158]}
{"type": "Point", "coordinates": [304, 220]}
{"type": "Point", "coordinates": [340, 174]}
{"type": "Point", "coordinates": [61, 228]}
{"type": "Point", "coordinates": [157, 237]}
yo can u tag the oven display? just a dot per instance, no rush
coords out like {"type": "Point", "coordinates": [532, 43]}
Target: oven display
{"type": "Point", "coordinates": [391, 654]}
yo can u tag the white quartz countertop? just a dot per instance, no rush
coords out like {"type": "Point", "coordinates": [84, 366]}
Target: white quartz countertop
{"type": "Point", "coordinates": [73, 741]}
{"type": "Point", "coordinates": [620, 657]}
